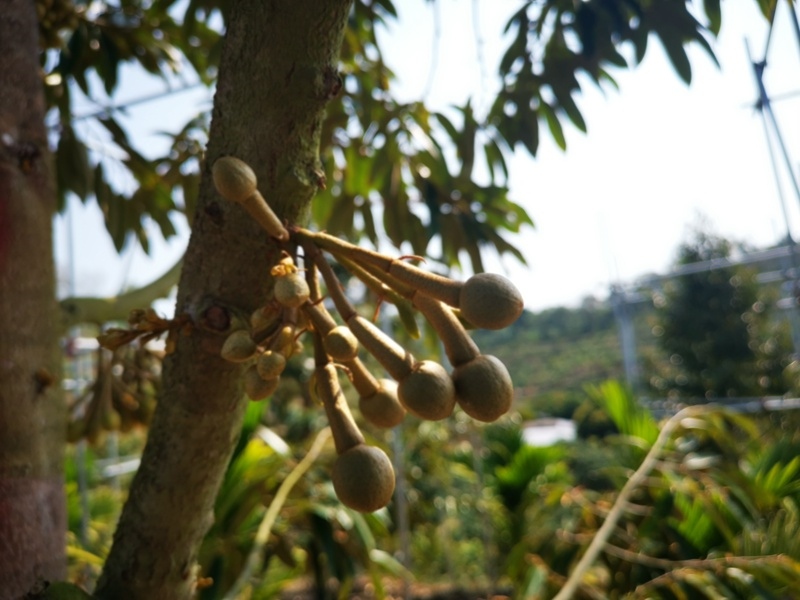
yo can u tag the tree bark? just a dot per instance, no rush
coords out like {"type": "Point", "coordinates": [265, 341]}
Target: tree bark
{"type": "Point", "coordinates": [277, 73]}
{"type": "Point", "coordinates": [32, 412]}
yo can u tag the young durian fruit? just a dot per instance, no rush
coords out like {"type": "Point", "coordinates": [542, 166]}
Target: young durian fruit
{"type": "Point", "coordinates": [291, 289]}
{"type": "Point", "coordinates": [340, 343]}
{"type": "Point", "coordinates": [363, 477]}
{"type": "Point", "coordinates": [256, 387]}
{"type": "Point", "coordinates": [424, 387]}
{"type": "Point", "coordinates": [270, 364]}
{"type": "Point", "coordinates": [236, 182]}
{"type": "Point", "coordinates": [239, 346]}
{"type": "Point", "coordinates": [484, 389]}
{"type": "Point", "coordinates": [377, 399]}
{"type": "Point", "coordinates": [485, 300]}
{"type": "Point", "coordinates": [262, 379]}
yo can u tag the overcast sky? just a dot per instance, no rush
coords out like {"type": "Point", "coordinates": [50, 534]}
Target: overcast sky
{"type": "Point", "coordinates": [657, 156]}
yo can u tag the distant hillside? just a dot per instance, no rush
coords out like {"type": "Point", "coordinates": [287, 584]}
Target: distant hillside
{"type": "Point", "coordinates": [553, 354]}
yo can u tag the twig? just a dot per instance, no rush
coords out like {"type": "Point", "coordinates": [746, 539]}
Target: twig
{"type": "Point", "coordinates": [259, 543]}
{"type": "Point", "coordinates": [675, 569]}
{"type": "Point", "coordinates": [604, 533]}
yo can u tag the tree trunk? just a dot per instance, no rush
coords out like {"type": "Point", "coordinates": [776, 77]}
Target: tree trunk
{"type": "Point", "coordinates": [277, 73]}
{"type": "Point", "coordinates": [32, 413]}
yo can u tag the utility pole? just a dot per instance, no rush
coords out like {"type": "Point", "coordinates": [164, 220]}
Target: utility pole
{"type": "Point", "coordinates": [772, 130]}
{"type": "Point", "coordinates": [627, 336]}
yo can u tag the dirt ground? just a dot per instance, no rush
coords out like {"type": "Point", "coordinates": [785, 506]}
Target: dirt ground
{"type": "Point", "coordinates": [395, 590]}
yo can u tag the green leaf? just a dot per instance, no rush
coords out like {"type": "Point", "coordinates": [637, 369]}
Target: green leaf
{"type": "Point", "coordinates": [369, 221]}
{"type": "Point", "coordinates": [389, 564]}
{"type": "Point", "coordinates": [495, 160]}
{"type": "Point", "coordinates": [528, 132]}
{"type": "Point", "coordinates": [408, 318]}
{"type": "Point", "coordinates": [714, 14]}
{"type": "Point", "coordinates": [108, 65]}
{"type": "Point", "coordinates": [567, 103]}
{"type": "Point", "coordinates": [553, 124]}
{"type": "Point", "coordinates": [73, 171]}
{"type": "Point", "coordinates": [673, 45]}
{"type": "Point", "coordinates": [340, 219]}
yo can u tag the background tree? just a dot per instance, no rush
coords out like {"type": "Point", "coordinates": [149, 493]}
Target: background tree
{"type": "Point", "coordinates": [276, 70]}
{"type": "Point", "coordinates": [716, 328]}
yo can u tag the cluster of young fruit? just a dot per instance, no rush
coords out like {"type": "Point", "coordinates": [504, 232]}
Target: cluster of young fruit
{"type": "Point", "coordinates": [122, 397]}
{"type": "Point", "coordinates": [362, 475]}
{"type": "Point", "coordinates": [54, 17]}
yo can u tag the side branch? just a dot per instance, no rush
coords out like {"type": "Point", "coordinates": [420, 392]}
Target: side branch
{"type": "Point", "coordinates": [77, 310]}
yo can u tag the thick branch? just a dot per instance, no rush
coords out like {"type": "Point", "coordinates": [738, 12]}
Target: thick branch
{"type": "Point", "coordinates": [75, 311]}
{"type": "Point", "coordinates": [277, 73]}
{"type": "Point", "coordinates": [32, 413]}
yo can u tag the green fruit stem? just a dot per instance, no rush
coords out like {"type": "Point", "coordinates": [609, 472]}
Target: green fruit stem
{"type": "Point", "coordinates": [346, 433]}
{"type": "Point", "coordinates": [458, 345]}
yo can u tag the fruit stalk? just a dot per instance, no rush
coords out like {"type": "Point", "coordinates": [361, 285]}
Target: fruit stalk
{"type": "Point", "coordinates": [236, 182]}
{"type": "Point", "coordinates": [434, 285]}
{"type": "Point", "coordinates": [386, 351]}
{"type": "Point", "coordinates": [486, 300]}
{"type": "Point", "coordinates": [377, 402]}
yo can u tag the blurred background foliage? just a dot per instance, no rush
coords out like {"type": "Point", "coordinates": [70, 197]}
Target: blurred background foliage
{"type": "Point", "coordinates": [398, 172]}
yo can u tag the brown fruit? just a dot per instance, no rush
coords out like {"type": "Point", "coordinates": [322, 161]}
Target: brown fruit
{"type": "Point", "coordinates": [236, 182]}
{"type": "Point", "coordinates": [340, 344]}
{"type": "Point", "coordinates": [264, 317]}
{"type": "Point", "coordinates": [256, 387]}
{"type": "Point", "coordinates": [483, 388]}
{"type": "Point", "coordinates": [490, 301]}
{"type": "Point", "coordinates": [382, 408]}
{"type": "Point", "coordinates": [427, 392]}
{"type": "Point", "coordinates": [238, 347]}
{"type": "Point", "coordinates": [363, 478]}
{"type": "Point", "coordinates": [270, 364]}
{"type": "Point", "coordinates": [292, 290]}
{"type": "Point", "coordinates": [233, 178]}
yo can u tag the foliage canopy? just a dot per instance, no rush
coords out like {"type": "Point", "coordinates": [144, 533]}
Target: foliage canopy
{"type": "Point", "coordinates": [386, 162]}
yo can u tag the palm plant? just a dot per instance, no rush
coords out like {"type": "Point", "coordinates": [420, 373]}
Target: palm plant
{"type": "Point", "coordinates": [707, 508]}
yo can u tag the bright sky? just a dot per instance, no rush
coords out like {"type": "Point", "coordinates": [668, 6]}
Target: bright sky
{"type": "Point", "coordinates": [658, 155]}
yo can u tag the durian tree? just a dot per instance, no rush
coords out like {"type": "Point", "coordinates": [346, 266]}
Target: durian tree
{"type": "Point", "coordinates": [304, 99]}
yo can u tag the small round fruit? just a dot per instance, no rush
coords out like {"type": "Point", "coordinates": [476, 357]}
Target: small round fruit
{"type": "Point", "coordinates": [484, 389]}
{"type": "Point", "coordinates": [238, 347]}
{"type": "Point", "coordinates": [427, 392]}
{"type": "Point", "coordinates": [256, 387]}
{"type": "Point", "coordinates": [363, 478]}
{"type": "Point", "coordinates": [490, 301]}
{"type": "Point", "coordinates": [270, 364]}
{"type": "Point", "coordinates": [292, 290]}
{"type": "Point", "coordinates": [382, 408]}
{"type": "Point", "coordinates": [233, 178]}
{"type": "Point", "coordinates": [340, 344]}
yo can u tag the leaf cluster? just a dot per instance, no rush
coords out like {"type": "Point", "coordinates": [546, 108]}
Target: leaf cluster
{"type": "Point", "coordinates": [396, 168]}
{"type": "Point", "coordinates": [558, 43]}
